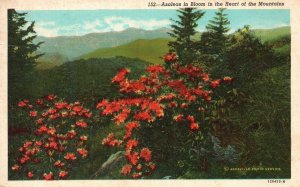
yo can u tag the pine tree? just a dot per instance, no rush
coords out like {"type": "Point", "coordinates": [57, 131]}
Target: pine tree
{"type": "Point", "coordinates": [183, 30]}
{"type": "Point", "coordinates": [214, 42]}
{"type": "Point", "coordinates": [22, 54]}
{"type": "Point", "coordinates": [214, 39]}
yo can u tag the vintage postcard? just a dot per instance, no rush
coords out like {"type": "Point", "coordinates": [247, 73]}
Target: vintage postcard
{"type": "Point", "coordinates": [149, 93]}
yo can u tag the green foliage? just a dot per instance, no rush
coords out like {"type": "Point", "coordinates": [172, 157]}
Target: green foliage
{"type": "Point", "coordinates": [84, 80]}
{"type": "Point", "coordinates": [183, 31]}
{"type": "Point", "coordinates": [246, 56]}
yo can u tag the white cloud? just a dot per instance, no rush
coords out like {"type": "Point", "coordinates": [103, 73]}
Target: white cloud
{"type": "Point", "coordinates": [121, 23]}
{"type": "Point", "coordinates": [92, 25]}
{"type": "Point", "coordinates": [114, 23]}
{"type": "Point", "coordinates": [46, 23]}
{"type": "Point", "coordinates": [43, 29]}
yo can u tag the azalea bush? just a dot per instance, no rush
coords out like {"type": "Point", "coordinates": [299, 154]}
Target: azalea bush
{"type": "Point", "coordinates": [163, 114]}
{"type": "Point", "coordinates": [57, 140]}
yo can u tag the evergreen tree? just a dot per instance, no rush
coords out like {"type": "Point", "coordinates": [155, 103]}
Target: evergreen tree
{"type": "Point", "coordinates": [183, 30]}
{"type": "Point", "coordinates": [214, 40]}
{"type": "Point", "coordinates": [21, 48]}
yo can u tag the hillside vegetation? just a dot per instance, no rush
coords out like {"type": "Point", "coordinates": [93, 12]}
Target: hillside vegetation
{"type": "Point", "coordinates": [86, 80]}
{"type": "Point", "coordinates": [256, 125]}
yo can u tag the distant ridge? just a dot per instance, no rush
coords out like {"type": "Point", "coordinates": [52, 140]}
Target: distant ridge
{"type": "Point", "coordinates": [67, 48]}
{"type": "Point", "coordinates": [75, 46]}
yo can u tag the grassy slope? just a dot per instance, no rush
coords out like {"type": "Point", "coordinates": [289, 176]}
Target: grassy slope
{"type": "Point", "coordinates": [148, 50]}
{"type": "Point", "coordinates": [268, 35]}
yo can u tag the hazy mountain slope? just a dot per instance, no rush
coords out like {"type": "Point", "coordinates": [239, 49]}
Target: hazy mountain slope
{"type": "Point", "coordinates": [149, 45]}
{"type": "Point", "coordinates": [148, 50]}
{"type": "Point", "coordinates": [74, 46]}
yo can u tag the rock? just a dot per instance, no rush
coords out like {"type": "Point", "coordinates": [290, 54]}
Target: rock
{"type": "Point", "coordinates": [109, 164]}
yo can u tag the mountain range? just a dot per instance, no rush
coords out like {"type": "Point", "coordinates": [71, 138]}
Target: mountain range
{"type": "Point", "coordinates": [68, 48]}
{"type": "Point", "coordinates": [134, 43]}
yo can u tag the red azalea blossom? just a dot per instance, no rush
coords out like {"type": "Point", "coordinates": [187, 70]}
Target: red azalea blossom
{"type": "Point", "coordinates": [120, 75]}
{"type": "Point", "coordinates": [52, 111]}
{"type": "Point", "coordinates": [38, 143]}
{"type": "Point", "coordinates": [139, 167]}
{"type": "Point", "coordinates": [70, 156]}
{"type": "Point", "coordinates": [21, 104]}
{"type": "Point", "coordinates": [227, 79]}
{"type": "Point", "coordinates": [29, 174]}
{"type": "Point", "coordinates": [71, 134]}
{"type": "Point", "coordinates": [77, 108]}
{"type": "Point", "coordinates": [39, 102]}
{"type": "Point", "coordinates": [59, 163]}
{"type": "Point", "coordinates": [178, 118]}
{"type": "Point", "coordinates": [194, 126]}
{"type": "Point", "coordinates": [170, 57]}
{"type": "Point", "coordinates": [143, 116]}
{"type": "Point", "coordinates": [132, 125]}
{"type": "Point", "coordinates": [145, 154]}
{"type": "Point", "coordinates": [15, 167]}
{"type": "Point", "coordinates": [83, 152]}
{"type": "Point", "coordinates": [81, 124]}
{"type": "Point", "coordinates": [111, 141]}
{"type": "Point", "coordinates": [63, 174]}
{"type": "Point", "coordinates": [132, 157]}
{"type": "Point", "coordinates": [50, 97]}
{"type": "Point", "coordinates": [27, 144]}
{"type": "Point", "coordinates": [60, 105]}
{"type": "Point", "coordinates": [173, 104]}
{"type": "Point", "coordinates": [88, 114]}
{"type": "Point", "coordinates": [53, 145]}
{"type": "Point", "coordinates": [40, 121]}
{"type": "Point", "coordinates": [137, 175]}
{"type": "Point", "coordinates": [64, 114]}
{"type": "Point", "coordinates": [131, 144]}
{"type": "Point", "coordinates": [152, 167]}
{"type": "Point", "coordinates": [48, 176]}
{"type": "Point", "coordinates": [129, 127]}
{"type": "Point", "coordinates": [101, 104]}
{"type": "Point", "coordinates": [184, 105]}
{"type": "Point", "coordinates": [83, 138]}
{"type": "Point", "coordinates": [33, 113]}
{"type": "Point", "coordinates": [51, 131]}
{"type": "Point", "coordinates": [191, 119]}
{"type": "Point", "coordinates": [120, 118]}
{"type": "Point", "coordinates": [126, 169]}
{"type": "Point", "coordinates": [215, 83]}
{"type": "Point", "coordinates": [155, 69]}
{"type": "Point", "coordinates": [205, 77]}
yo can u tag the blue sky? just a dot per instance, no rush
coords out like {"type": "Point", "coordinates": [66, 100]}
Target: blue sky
{"type": "Point", "coordinates": [79, 22]}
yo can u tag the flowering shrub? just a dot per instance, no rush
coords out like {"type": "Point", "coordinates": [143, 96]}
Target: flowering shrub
{"type": "Point", "coordinates": [173, 96]}
{"type": "Point", "coordinates": [58, 140]}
